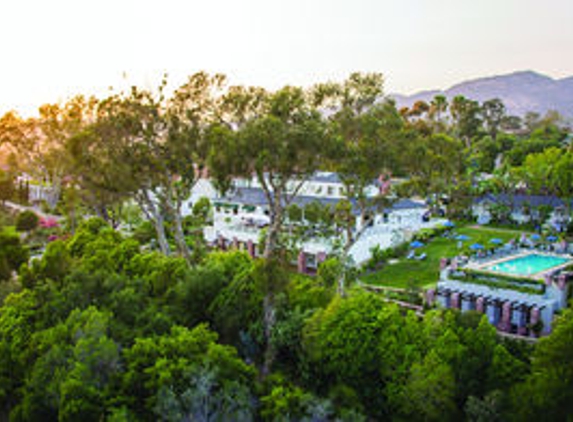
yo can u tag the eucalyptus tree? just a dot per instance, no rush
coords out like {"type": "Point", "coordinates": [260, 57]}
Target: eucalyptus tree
{"type": "Point", "coordinates": [549, 172]}
{"type": "Point", "coordinates": [466, 119]}
{"type": "Point", "coordinates": [101, 170]}
{"type": "Point", "coordinates": [366, 132]}
{"type": "Point", "coordinates": [279, 139]}
{"type": "Point", "coordinates": [40, 141]}
{"type": "Point", "coordinates": [113, 159]}
{"type": "Point", "coordinates": [12, 131]}
{"type": "Point", "coordinates": [189, 113]}
{"type": "Point", "coordinates": [150, 147]}
{"type": "Point", "coordinates": [493, 112]}
{"type": "Point", "coordinates": [438, 108]}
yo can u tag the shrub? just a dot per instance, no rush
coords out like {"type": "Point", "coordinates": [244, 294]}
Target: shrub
{"type": "Point", "coordinates": [12, 254]}
{"type": "Point", "coordinates": [144, 233]}
{"type": "Point", "coordinates": [425, 235]}
{"type": "Point", "coordinates": [27, 221]}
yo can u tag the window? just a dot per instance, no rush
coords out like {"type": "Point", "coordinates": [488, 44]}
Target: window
{"type": "Point", "coordinates": [330, 191]}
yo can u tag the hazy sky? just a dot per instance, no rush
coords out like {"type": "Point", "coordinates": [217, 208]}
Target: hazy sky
{"type": "Point", "coordinates": [52, 49]}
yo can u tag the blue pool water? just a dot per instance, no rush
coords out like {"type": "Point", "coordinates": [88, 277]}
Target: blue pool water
{"type": "Point", "coordinates": [528, 265]}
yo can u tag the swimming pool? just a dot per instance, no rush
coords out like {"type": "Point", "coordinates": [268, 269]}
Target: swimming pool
{"type": "Point", "coordinates": [528, 265]}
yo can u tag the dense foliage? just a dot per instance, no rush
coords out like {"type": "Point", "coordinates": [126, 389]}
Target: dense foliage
{"type": "Point", "coordinates": [130, 316]}
{"type": "Point", "coordinates": [100, 329]}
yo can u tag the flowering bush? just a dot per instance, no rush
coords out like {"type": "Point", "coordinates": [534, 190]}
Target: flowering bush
{"type": "Point", "coordinates": [48, 223]}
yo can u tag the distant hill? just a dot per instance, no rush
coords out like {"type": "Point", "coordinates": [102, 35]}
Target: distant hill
{"type": "Point", "coordinates": [520, 92]}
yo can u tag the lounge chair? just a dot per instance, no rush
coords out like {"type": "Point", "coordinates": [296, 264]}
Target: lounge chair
{"type": "Point", "coordinates": [422, 256]}
{"type": "Point", "coordinates": [411, 255]}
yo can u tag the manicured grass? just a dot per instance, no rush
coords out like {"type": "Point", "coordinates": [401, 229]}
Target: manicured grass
{"type": "Point", "coordinates": [425, 273]}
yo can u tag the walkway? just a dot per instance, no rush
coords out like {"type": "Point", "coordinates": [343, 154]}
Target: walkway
{"type": "Point", "coordinates": [40, 213]}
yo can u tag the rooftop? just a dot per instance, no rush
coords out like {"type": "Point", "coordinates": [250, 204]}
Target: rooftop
{"type": "Point", "coordinates": [518, 200]}
{"type": "Point", "coordinates": [501, 294]}
{"type": "Point", "coordinates": [256, 197]}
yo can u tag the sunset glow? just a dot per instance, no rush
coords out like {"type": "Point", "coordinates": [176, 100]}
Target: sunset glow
{"type": "Point", "coordinates": [54, 49]}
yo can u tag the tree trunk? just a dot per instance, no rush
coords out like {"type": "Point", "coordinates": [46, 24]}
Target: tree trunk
{"type": "Point", "coordinates": [153, 214]}
{"type": "Point", "coordinates": [54, 194]}
{"type": "Point", "coordinates": [179, 236]}
{"type": "Point", "coordinates": [269, 319]}
{"type": "Point", "coordinates": [350, 241]}
{"type": "Point", "coordinates": [270, 254]}
{"type": "Point", "coordinates": [271, 240]}
{"type": "Point", "coordinates": [174, 209]}
{"type": "Point", "coordinates": [273, 231]}
{"type": "Point", "coordinates": [158, 222]}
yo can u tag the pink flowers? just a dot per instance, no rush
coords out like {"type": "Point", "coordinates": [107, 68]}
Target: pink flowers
{"type": "Point", "coordinates": [48, 223]}
{"type": "Point", "coordinates": [385, 183]}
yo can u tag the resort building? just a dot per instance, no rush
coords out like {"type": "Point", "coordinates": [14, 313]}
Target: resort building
{"type": "Point", "coordinates": [519, 290]}
{"type": "Point", "coordinates": [240, 215]}
{"type": "Point", "coordinates": [522, 209]}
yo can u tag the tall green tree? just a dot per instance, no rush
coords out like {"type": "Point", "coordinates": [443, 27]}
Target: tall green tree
{"type": "Point", "coordinates": [438, 108]}
{"type": "Point", "coordinates": [493, 113]}
{"type": "Point", "coordinates": [366, 132]}
{"type": "Point", "coordinates": [429, 393]}
{"type": "Point", "coordinates": [40, 141]}
{"type": "Point", "coordinates": [465, 118]}
{"type": "Point", "coordinates": [280, 148]}
{"type": "Point", "coordinates": [178, 361]}
{"type": "Point", "coordinates": [151, 148]}
{"type": "Point", "coordinates": [547, 393]}
{"type": "Point", "coordinates": [69, 379]}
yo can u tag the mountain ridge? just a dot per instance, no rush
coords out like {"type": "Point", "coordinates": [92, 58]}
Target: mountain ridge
{"type": "Point", "coordinates": [521, 92]}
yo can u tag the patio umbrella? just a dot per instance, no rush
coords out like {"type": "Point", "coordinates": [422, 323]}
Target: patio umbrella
{"type": "Point", "coordinates": [449, 224]}
{"type": "Point", "coordinates": [535, 236]}
{"type": "Point", "coordinates": [476, 246]}
{"type": "Point", "coordinates": [551, 238]}
{"type": "Point", "coordinates": [462, 237]}
{"type": "Point", "coordinates": [496, 241]}
{"type": "Point", "coordinates": [416, 244]}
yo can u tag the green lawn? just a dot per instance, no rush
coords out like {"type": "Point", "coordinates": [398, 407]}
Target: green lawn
{"type": "Point", "coordinates": [425, 273]}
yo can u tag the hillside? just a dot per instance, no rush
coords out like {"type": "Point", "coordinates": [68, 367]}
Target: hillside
{"type": "Point", "coordinates": [520, 91]}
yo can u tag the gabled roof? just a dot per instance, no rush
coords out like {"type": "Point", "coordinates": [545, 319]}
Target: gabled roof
{"type": "Point", "coordinates": [325, 177]}
{"type": "Point", "coordinates": [256, 197]}
{"type": "Point", "coordinates": [405, 204]}
{"type": "Point", "coordinates": [332, 177]}
{"type": "Point", "coordinates": [519, 200]}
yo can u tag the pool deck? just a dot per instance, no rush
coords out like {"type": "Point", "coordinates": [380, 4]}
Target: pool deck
{"type": "Point", "coordinates": [484, 266]}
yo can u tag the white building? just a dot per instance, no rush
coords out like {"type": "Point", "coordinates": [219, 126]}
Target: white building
{"type": "Point", "coordinates": [240, 215]}
{"type": "Point", "coordinates": [522, 208]}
